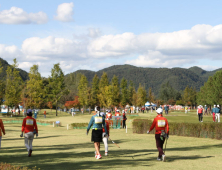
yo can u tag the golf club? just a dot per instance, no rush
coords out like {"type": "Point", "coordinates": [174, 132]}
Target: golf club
{"type": "Point", "coordinates": [114, 143]}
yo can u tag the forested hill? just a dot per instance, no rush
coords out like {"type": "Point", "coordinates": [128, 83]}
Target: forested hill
{"type": "Point", "coordinates": [24, 75]}
{"type": "Point", "coordinates": [178, 78]}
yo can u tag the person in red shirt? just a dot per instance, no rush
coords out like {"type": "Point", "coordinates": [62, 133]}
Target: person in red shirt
{"type": "Point", "coordinates": [2, 130]}
{"type": "Point", "coordinates": [161, 126]}
{"type": "Point", "coordinates": [124, 119]}
{"type": "Point", "coordinates": [200, 113]}
{"type": "Point", "coordinates": [29, 126]}
{"type": "Point", "coordinates": [109, 115]}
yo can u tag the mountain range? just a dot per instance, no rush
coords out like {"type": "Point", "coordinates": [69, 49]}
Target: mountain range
{"type": "Point", "coordinates": [178, 78]}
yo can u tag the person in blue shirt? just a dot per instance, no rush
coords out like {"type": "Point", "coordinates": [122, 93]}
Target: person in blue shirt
{"type": "Point", "coordinates": [97, 122]}
{"type": "Point", "coordinates": [205, 110]}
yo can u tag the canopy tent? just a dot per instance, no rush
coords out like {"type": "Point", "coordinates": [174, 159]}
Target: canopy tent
{"type": "Point", "coordinates": [147, 104]}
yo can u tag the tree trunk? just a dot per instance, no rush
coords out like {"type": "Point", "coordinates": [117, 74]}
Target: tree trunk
{"type": "Point", "coordinates": [89, 109]}
{"type": "Point", "coordinates": [56, 108]}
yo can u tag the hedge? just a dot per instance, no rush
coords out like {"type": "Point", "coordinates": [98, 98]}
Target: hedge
{"type": "Point", "coordinates": [199, 130]}
{"type": "Point", "coordinates": [79, 125]}
{"type": "Point", "coordinates": [39, 122]}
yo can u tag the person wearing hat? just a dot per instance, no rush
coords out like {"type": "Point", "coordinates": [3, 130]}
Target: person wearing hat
{"type": "Point", "coordinates": [29, 127]}
{"type": "Point", "coordinates": [213, 113]}
{"type": "Point", "coordinates": [217, 113]}
{"type": "Point", "coordinates": [105, 137]}
{"type": "Point", "coordinates": [200, 113]}
{"type": "Point", "coordinates": [2, 130]}
{"type": "Point", "coordinates": [97, 122]}
{"type": "Point", "coordinates": [109, 115]}
{"type": "Point", "coordinates": [161, 126]}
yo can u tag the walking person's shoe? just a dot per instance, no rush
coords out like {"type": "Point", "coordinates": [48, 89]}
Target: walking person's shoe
{"type": "Point", "coordinates": [164, 158]}
{"type": "Point", "coordinates": [98, 157]}
{"type": "Point", "coordinates": [159, 159]}
{"type": "Point", "coordinates": [106, 153]}
{"type": "Point", "coordinates": [29, 152]}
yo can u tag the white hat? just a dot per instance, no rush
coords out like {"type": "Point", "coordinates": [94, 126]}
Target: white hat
{"type": "Point", "coordinates": [117, 110]}
{"type": "Point", "coordinates": [159, 110]}
{"type": "Point", "coordinates": [214, 105]}
{"type": "Point", "coordinates": [102, 114]}
{"type": "Point", "coordinates": [218, 105]}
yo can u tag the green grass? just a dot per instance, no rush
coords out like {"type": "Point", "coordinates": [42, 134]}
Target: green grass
{"type": "Point", "coordinates": [58, 148]}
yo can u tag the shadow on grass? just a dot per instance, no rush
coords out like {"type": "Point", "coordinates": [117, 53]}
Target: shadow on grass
{"type": "Point", "coordinates": [63, 158]}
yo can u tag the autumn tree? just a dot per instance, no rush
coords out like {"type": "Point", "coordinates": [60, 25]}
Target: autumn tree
{"type": "Point", "coordinates": [141, 96]}
{"type": "Point", "coordinates": [124, 95]}
{"type": "Point", "coordinates": [115, 91]}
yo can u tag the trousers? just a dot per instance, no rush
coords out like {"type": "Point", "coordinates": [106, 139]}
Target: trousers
{"type": "Point", "coordinates": [28, 140]}
{"type": "Point", "coordinates": [217, 117]}
{"type": "Point", "coordinates": [105, 141]}
{"type": "Point", "coordinates": [159, 144]}
{"type": "Point", "coordinates": [0, 141]}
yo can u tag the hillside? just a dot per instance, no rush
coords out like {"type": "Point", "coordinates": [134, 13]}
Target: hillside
{"type": "Point", "coordinates": [24, 75]}
{"type": "Point", "coordinates": [179, 78]}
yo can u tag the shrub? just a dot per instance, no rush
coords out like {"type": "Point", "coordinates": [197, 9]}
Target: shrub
{"type": "Point", "coordinates": [199, 130]}
{"type": "Point", "coordinates": [5, 166]}
{"type": "Point", "coordinates": [79, 125]}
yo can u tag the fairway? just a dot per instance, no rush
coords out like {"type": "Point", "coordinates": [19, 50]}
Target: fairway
{"type": "Point", "coordinates": [59, 148]}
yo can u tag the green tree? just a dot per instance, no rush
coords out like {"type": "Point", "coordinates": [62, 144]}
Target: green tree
{"type": "Point", "coordinates": [83, 92]}
{"type": "Point", "coordinates": [2, 87]}
{"type": "Point", "coordinates": [95, 91]}
{"type": "Point", "coordinates": [13, 86]}
{"type": "Point", "coordinates": [102, 84]}
{"type": "Point", "coordinates": [151, 97]}
{"type": "Point", "coordinates": [115, 91]}
{"type": "Point", "coordinates": [35, 89]}
{"type": "Point", "coordinates": [124, 95]}
{"type": "Point", "coordinates": [131, 90]}
{"type": "Point", "coordinates": [141, 96]}
{"type": "Point", "coordinates": [57, 86]}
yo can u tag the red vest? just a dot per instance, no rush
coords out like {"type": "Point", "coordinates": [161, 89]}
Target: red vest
{"type": "Point", "coordinates": [200, 110]}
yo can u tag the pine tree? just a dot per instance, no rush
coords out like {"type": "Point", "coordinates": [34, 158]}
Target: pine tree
{"type": "Point", "coordinates": [141, 96]}
{"type": "Point", "coordinates": [131, 90]}
{"type": "Point", "coordinates": [151, 96]}
{"type": "Point", "coordinates": [115, 91]}
{"type": "Point", "coordinates": [103, 83]}
{"type": "Point", "coordinates": [35, 89]}
{"type": "Point", "coordinates": [83, 92]}
{"type": "Point", "coordinates": [13, 86]}
{"type": "Point", "coordinates": [56, 85]}
{"type": "Point", "coordinates": [95, 91]}
{"type": "Point", "coordinates": [124, 95]}
{"type": "Point", "coordinates": [2, 87]}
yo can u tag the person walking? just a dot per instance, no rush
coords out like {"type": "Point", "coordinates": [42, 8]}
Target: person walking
{"type": "Point", "coordinates": [124, 119]}
{"type": "Point", "coordinates": [29, 127]}
{"type": "Point", "coordinates": [44, 113]}
{"type": "Point", "coordinates": [161, 126]}
{"type": "Point", "coordinates": [213, 113]}
{"type": "Point", "coordinates": [205, 110]}
{"type": "Point", "coordinates": [2, 130]}
{"type": "Point", "coordinates": [186, 109]}
{"type": "Point", "coordinates": [217, 113]}
{"type": "Point", "coordinates": [105, 137]}
{"type": "Point", "coordinates": [200, 113]}
{"type": "Point", "coordinates": [97, 121]}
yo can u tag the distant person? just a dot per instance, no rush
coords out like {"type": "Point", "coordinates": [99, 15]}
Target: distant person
{"type": "Point", "coordinates": [117, 118]}
{"type": "Point", "coordinates": [205, 110]}
{"type": "Point", "coordinates": [161, 126]}
{"type": "Point", "coordinates": [186, 109]}
{"type": "Point", "coordinates": [166, 108]}
{"type": "Point", "coordinates": [217, 113]}
{"type": "Point", "coordinates": [109, 115]}
{"type": "Point", "coordinates": [35, 114]}
{"type": "Point", "coordinates": [44, 113]}
{"type": "Point", "coordinates": [213, 113]}
{"type": "Point", "coordinates": [29, 127]}
{"type": "Point", "coordinates": [124, 120]}
{"type": "Point", "coordinates": [97, 122]}
{"type": "Point", "coordinates": [200, 113]}
{"type": "Point", "coordinates": [2, 130]}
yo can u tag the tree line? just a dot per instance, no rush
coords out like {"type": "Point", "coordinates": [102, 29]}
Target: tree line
{"type": "Point", "coordinates": [54, 91]}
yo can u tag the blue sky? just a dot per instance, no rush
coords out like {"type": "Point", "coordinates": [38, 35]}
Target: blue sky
{"type": "Point", "coordinates": [92, 35]}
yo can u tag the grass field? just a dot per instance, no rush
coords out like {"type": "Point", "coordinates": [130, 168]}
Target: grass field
{"type": "Point", "coordinates": [59, 148]}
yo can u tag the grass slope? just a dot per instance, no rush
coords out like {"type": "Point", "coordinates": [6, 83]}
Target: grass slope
{"type": "Point", "coordinates": [58, 148]}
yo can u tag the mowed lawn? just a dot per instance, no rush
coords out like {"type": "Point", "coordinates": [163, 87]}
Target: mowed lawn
{"type": "Point", "coordinates": [59, 148]}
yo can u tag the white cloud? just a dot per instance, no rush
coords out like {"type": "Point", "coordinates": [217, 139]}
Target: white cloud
{"type": "Point", "coordinates": [17, 15]}
{"type": "Point", "coordinates": [9, 52]}
{"type": "Point", "coordinates": [65, 12]}
{"type": "Point", "coordinates": [92, 51]}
